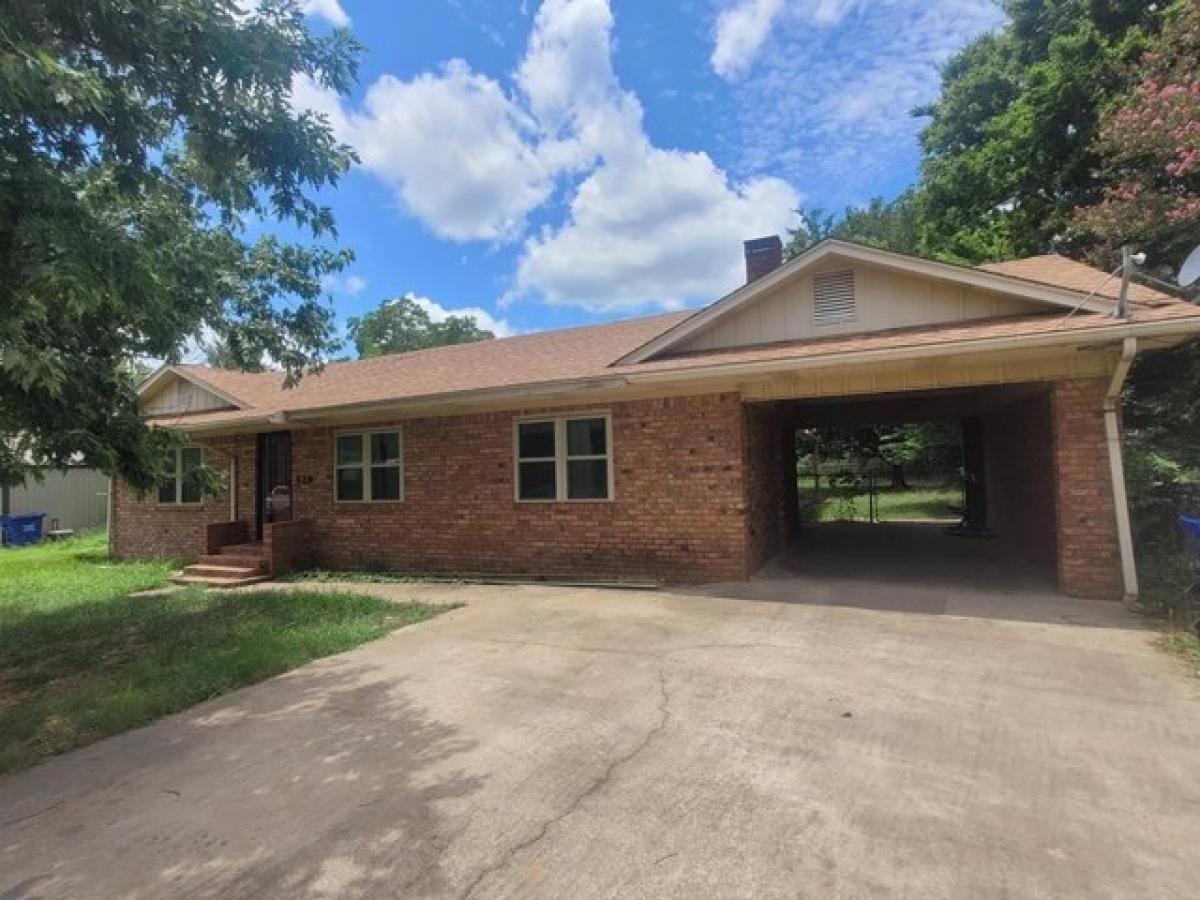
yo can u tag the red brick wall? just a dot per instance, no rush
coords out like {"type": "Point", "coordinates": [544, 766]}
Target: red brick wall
{"type": "Point", "coordinates": [1019, 448]}
{"type": "Point", "coordinates": [686, 508]}
{"type": "Point", "coordinates": [288, 545]}
{"type": "Point", "coordinates": [678, 511]}
{"type": "Point", "coordinates": [1088, 559]}
{"type": "Point", "coordinates": [772, 503]}
{"type": "Point", "coordinates": [142, 526]}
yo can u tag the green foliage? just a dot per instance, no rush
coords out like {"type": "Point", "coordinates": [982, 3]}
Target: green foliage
{"type": "Point", "coordinates": [1010, 149]}
{"type": "Point", "coordinates": [137, 141]}
{"type": "Point", "coordinates": [1162, 452]}
{"type": "Point", "coordinates": [226, 353]}
{"type": "Point", "coordinates": [83, 659]}
{"type": "Point", "coordinates": [1186, 647]}
{"type": "Point", "coordinates": [934, 446]}
{"type": "Point", "coordinates": [886, 224]}
{"type": "Point", "coordinates": [400, 324]}
{"type": "Point", "coordinates": [1149, 143]}
{"type": "Point", "coordinates": [905, 444]}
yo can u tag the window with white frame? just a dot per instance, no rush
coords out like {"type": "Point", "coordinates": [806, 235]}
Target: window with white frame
{"type": "Point", "coordinates": [181, 485]}
{"type": "Point", "coordinates": [368, 467]}
{"type": "Point", "coordinates": [564, 458]}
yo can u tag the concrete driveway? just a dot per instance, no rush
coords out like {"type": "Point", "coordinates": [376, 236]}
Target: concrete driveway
{"type": "Point", "coordinates": [545, 742]}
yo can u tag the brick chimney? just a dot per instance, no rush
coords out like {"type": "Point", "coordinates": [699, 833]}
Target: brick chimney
{"type": "Point", "coordinates": [763, 255]}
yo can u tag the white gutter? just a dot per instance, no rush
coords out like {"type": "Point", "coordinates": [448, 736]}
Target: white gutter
{"type": "Point", "coordinates": [1116, 465]}
{"type": "Point", "coordinates": [533, 391]}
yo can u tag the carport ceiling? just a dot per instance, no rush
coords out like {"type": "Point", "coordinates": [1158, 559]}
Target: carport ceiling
{"type": "Point", "coordinates": [912, 406]}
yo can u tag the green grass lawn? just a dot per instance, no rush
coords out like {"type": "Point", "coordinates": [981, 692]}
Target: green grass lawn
{"type": "Point", "coordinates": [894, 505]}
{"type": "Point", "coordinates": [81, 659]}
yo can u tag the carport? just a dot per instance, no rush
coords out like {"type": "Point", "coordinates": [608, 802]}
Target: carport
{"type": "Point", "coordinates": [1010, 516]}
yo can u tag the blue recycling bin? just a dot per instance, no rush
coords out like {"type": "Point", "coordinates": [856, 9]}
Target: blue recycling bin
{"type": "Point", "coordinates": [1191, 535]}
{"type": "Point", "coordinates": [21, 530]}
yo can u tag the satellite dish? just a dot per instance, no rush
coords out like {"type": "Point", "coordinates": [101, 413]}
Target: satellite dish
{"type": "Point", "coordinates": [1189, 272]}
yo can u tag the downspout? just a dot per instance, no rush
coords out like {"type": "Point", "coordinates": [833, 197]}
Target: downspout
{"type": "Point", "coordinates": [1116, 464]}
{"type": "Point", "coordinates": [110, 508]}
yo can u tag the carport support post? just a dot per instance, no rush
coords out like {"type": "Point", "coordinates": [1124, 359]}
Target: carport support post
{"type": "Point", "coordinates": [1116, 464]}
{"type": "Point", "coordinates": [975, 509]}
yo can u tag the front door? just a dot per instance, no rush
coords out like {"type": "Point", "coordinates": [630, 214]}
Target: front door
{"type": "Point", "coordinates": [274, 478]}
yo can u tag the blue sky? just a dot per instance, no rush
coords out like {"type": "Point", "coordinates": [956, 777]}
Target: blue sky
{"type": "Point", "coordinates": [553, 163]}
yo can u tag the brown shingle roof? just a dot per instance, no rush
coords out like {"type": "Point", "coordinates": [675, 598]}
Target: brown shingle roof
{"type": "Point", "coordinates": [528, 359]}
{"type": "Point", "coordinates": [1058, 271]}
{"type": "Point", "coordinates": [592, 351]}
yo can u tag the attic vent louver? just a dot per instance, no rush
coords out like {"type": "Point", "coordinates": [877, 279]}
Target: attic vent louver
{"type": "Point", "coordinates": [833, 297]}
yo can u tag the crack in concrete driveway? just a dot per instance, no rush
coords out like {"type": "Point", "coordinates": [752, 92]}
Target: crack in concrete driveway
{"type": "Point", "coordinates": [598, 783]}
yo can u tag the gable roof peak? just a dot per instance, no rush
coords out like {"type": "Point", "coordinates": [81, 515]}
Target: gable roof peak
{"type": "Point", "coordinates": [1066, 295]}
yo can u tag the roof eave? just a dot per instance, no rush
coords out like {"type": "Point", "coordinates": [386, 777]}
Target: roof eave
{"type": "Point", "coordinates": [539, 392]}
{"type": "Point", "coordinates": [1182, 329]}
{"type": "Point", "coordinates": [319, 415]}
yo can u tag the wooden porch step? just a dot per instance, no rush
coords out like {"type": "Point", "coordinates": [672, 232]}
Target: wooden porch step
{"type": "Point", "coordinates": [224, 571]}
{"type": "Point", "coordinates": [256, 549]}
{"type": "Point", "coordinates": [208, 581]}
{"type": "Point", "coordinates": [236, 561]}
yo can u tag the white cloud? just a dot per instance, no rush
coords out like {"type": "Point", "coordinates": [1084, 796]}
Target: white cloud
{"type": "Point", "coordinates": [350, 285]}
{"type": "Point", "coordinates": [839, 78]}
{"type": "Point", "coordinates": [657, 228]}
{"type": "Point", "coordinates": [831, 12]}
{"type": "Point", "coordinates": [454, 149]}
{"type": "Point", "coordinates": [740, 32]}
{"type": "Point", "coordinates": [646, 226]}
{"type": "Point", "coordinates": [330, 10]}
{"type": "Point", "coordinates": [483, 318]}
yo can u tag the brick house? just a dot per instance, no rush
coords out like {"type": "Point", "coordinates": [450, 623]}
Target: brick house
{"type": "Point", "coordinates": [663, 446]}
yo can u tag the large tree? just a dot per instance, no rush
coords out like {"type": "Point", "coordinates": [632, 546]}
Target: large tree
{"type": "Point", "coordinates": [138, 141]}
{"type": "Point", "coordinates": [1010, 151]}
{"type": "Point", "coordinates": [886, 224]}
{"type": "Point", "coordinates": [400, 324]}
{"type": "Point", "coordinates": [1149, 147]}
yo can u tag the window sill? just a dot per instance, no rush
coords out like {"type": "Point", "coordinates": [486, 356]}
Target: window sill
{"type": "Point", "coordinates": [565, 502]}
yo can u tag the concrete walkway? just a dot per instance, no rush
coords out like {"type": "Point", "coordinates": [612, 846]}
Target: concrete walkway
{"type": "Point", "coordinates": [544, 742]}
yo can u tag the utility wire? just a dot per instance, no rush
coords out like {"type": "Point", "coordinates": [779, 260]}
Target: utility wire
{"type": "Point", "coordinates": [1079, 305]}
